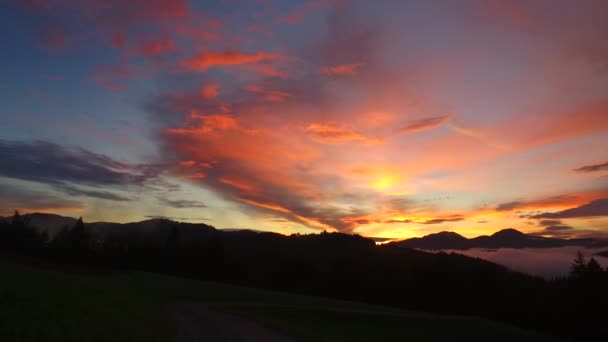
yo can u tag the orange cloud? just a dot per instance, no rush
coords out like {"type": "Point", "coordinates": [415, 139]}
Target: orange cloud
{"type": "Point", "coordinates": [210, 91]}
{"type": "Point", "coordinates": [332, 133]}
{"type": "Point", "coordinates": [188, 163]}
{"type": "Point", "coordinates": [206, 60]}
{"type": "Point", "coordinates": [241, 185]}
{"type": "Point", "coordinates": [588, 120]}
{"type": "Point", "coordinates": [342, 69]}
{"type": "Point", "coordinates": [260, 166]}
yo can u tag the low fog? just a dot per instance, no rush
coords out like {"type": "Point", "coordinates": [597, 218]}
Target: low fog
{"type": "Point", "coordinates": [545, 262]}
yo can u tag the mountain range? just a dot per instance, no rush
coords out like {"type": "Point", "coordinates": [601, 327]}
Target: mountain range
{"type": "Point", "coordinates": [506, 238]}
{"type": "Point", "coordinates": [157, 228]}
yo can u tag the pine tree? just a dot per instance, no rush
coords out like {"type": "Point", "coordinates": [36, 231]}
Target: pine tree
{"type": "Point", "coordinates": [579, 266]}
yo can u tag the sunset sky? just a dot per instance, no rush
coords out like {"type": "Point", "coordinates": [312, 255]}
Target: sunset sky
{"type": "Point", "coordinates": [384, 118]}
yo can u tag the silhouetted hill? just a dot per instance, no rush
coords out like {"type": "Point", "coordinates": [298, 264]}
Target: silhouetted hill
{"type": "Point", "coordinates": [603, 253]}
{"type": "Point", "coordinates": [153, 231]}
{"type": "Point", "coordinates": [442, 240]}
{"type": "Point", "coordinates": [50, 223]}
{"type": "Point", "coordinates": [506, 238]}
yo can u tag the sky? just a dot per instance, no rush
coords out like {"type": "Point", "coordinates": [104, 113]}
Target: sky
{"type": "Point", "coordinates": [389, 119]}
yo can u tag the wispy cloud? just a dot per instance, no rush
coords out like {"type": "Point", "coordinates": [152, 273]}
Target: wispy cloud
{"type": "Point", "coordinates": [333, 133]}
{"type": "Point", "coordinates": [424, 124]}
{"type": "Point", "coordinates": [180, 204]}
{"type": "Point", "coordinates": [593, 168]}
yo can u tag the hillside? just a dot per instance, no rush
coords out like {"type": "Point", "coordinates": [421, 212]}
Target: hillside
{"type": "Point", "coordinates": [331, 265]}
{"type": "Point", "coordinates": [44, 305]}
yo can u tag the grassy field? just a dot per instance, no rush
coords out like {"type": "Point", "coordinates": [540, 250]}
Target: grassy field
{"type": "Point", "coordinates": [45, 305]}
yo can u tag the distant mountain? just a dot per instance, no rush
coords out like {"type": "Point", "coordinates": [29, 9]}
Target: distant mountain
{"type": "Point", "coordinates": [603, 253]}
{"type": "Point", "coordinates": [506, 238]}
{"type": "Point", "coordinates": [442, 240]}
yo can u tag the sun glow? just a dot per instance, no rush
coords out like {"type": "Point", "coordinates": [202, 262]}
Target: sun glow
{"type": "Point", "coordinates": [385, 182]}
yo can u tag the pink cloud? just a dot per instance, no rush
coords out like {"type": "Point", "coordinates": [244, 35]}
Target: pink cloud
{"type": "Point", "coordinates": [342, 69]}
{"type": "Point", "coordinates": [107, 84]}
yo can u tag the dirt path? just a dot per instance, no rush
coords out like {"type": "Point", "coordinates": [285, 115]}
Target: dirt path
{"type": "Point", "coordinates": [394, 313]}
{"type": "Point", "coordinates": [197, 323]}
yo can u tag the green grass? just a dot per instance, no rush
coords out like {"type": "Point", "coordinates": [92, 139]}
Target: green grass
{"type": "Point", "coordinates": [44, 305]}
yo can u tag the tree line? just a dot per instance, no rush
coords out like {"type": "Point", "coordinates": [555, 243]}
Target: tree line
{"type": "Point", "coordinates": [338, 266]}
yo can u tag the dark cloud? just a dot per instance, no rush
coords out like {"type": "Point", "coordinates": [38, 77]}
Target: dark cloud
{"type": "Point", "coordinates": [19, 198]}
{"type": "Point", "coordinates": [182, 203]}
{"type": "Point", "coordinates": [552, 226]}
{"type": "Point", "coordinates": [592, 209]}
{"type": "Point", "coordinates": [438, 220]}
{"type": "Point", "coordinates": [509, 206]}
{"type": "Point", "coordinates": [547, 223]}
{"type": "Point", "coordinates": [398, 221]}
{"type": "Point", "coordinates": [160, 217]}
{"type": "Point", "coordinates": [71, 170]}
{"type": "Point", "coordinates": [593, 168]}
{"type": "Point", "coordinates": [557, 228]}
{"type": "Point", "coordinates": [105, 195]}
{"type": "Point", "coordinates": [454, 218]}
{"type": "Point", "coordinates": [50, 163]}
{"type": "Point", "coordinates": [537, 203]}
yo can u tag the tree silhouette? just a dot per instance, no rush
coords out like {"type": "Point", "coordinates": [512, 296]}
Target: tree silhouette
{"type": "Point", "coordinates": [19, 236]}
{"type": "Point", "coordinates": [74, 243]}
{"type": "Point", "coordinates": [579, 266]}
{"type": "Point", "coordinates": [594, 267]}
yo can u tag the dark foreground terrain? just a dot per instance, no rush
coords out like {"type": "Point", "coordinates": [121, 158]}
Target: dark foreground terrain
{"type": "Point", "coordinates": [50, 305]}
{"type": "Point", "coordinates": [328, 265]}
